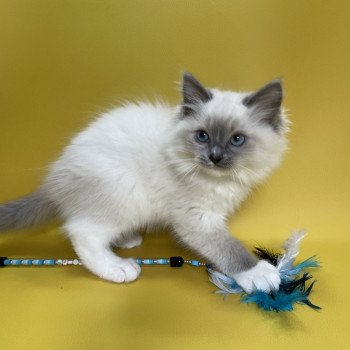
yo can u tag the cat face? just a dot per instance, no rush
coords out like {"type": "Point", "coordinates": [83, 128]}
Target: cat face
{"type": "Point", "coordinates": [223, 133]}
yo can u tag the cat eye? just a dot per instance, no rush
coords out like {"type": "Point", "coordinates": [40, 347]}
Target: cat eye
{"type": "Point", "coordinates": [202, 136]}
{"type": "Point", "coordinates": [237, 140]}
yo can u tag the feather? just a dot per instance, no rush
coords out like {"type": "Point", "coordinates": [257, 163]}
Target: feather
{"type": "Point", "coordinates": [291, 247]}
{"type": "Point", "coordinates": [290, 293]}
{"type": "Point", "coordinates": [293, 289]}
{"type": "Point", "coordinates": [226, 284]}
{"type": "Point", "coordinates": [306, 264]}
{"type": "Point", "coordinates": [264, 254]}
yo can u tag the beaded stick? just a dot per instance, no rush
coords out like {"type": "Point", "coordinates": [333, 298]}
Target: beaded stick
{"type": "Point", "coordinates": [292, 290]}
{"type": "Point", "coordinates": [174, 261]}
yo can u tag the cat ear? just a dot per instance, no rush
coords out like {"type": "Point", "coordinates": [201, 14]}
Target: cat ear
{"type": "Point", "coordinates": [267, 103]}
{"type": "Point", "coordinates": [193, 93]}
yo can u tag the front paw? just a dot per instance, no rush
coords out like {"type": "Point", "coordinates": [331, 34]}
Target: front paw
{"type": "Point", "coordinates": [123, 271]}
{"type": "Point", "coordinates": [263, 276]}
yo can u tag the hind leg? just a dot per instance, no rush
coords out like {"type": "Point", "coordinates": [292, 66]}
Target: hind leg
{"type": "Point", "coordinates": [129, 241]}
{"type": "Point", "coordinates": [92, 242]}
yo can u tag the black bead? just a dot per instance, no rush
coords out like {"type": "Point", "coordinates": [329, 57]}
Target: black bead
{"type": "Point", "coordinates": [2, 260]}
{"type": "Point", "coordinates": [176, 261]}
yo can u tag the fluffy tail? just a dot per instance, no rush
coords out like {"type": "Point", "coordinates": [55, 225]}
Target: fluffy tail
{"type": "Point", "coordinates": [32, 210]}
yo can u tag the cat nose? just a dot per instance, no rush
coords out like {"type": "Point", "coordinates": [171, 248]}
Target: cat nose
{"type": "Point", "coordinates": [216, 154]}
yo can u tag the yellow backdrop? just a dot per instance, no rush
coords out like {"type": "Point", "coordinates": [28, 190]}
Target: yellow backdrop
{"type": "Point", "coordinates": [62, 61]}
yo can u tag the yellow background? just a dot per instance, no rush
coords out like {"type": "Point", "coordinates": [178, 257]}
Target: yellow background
{"type": "Point", "coordinates": [62, 62]}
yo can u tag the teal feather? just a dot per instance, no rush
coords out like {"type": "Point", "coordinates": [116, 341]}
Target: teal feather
{"type": "Point", "coordinates": [292, 290]}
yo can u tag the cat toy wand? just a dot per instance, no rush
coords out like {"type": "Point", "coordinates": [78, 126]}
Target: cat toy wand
{"type": "Point", "coordinates": [174, 261]}
{"type": "Point", "coordinates": [292, 289]}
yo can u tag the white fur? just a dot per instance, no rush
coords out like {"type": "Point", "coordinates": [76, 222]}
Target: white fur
{"type": "Point", "coordinates": [126, 171]}
{"type": "Point", "coordinates": [263, 276]}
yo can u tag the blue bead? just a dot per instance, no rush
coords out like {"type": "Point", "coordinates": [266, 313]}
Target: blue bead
{"type": "Point", "coordinates": [195, 263]}
{"type": "Point", "coordinates": [148, 261]}
{"type": "Point", "coordinates": [27, 262]}
{"type": "Point", "coordinates": [162, 261]}
{"type": "Point", "coordinates": [139, 261]}
{"type": "Point", "coordinates": [37, 262]}
{"type": "Point", "coordinates": [16, 262]}
{"type": "Point", "coordinates": [49, 262]}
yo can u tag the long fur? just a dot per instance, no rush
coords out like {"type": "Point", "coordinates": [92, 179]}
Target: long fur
{"type": "Point", "coordinates": [32, 210]}
{"type": "Point", "coordinates": [140, 165]}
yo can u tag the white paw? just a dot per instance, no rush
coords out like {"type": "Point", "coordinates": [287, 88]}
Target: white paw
{"type": "Point", "coordinates": [130, 242]}
{"type": "Point", "coordinates": [126, 270]}
{"type": "Point", "coordinates": [262, 276]}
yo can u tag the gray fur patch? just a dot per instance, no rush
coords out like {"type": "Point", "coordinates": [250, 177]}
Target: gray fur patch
{"type": "Point", "coordinates": [226, 253]}
{"type": "Point", "coordinates": [31, 210]}
{"type": "Point", "coordinates": [220, 130]}
{"type": "Point", "coordinates": [267, 103]}
{"type": "Point", "coordinates": [193, 93]}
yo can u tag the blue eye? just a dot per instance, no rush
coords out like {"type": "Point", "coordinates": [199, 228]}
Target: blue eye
{"type": "Point", "coordinates": [202, 136]}
{"type": "Point", "coordinates": [237, 140]}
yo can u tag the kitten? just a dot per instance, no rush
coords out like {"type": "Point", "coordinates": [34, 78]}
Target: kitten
{"type": "Point", "coordinates": [187, 167]}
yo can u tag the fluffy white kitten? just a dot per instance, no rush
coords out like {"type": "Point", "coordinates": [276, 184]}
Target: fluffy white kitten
{"type": "Point", "coordinates": [186, 167]}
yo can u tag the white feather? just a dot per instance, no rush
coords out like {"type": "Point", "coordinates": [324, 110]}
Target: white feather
{"type": "Point", "coordinates": [291, 247]}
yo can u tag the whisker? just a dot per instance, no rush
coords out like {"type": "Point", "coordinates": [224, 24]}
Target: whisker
{"type": "Point", "coordinates": [195, 173]}
{"type": "Point", "coordinates": [248, 170]}
{"type": "Point", "coordinates": [237, 176]}
{"type": "Point", "coordinates": [187, 172]}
